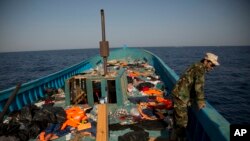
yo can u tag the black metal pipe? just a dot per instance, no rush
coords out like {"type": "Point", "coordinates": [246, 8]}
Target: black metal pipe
{"type": "Point", "coordinates": [105, 61]}
{"type": "Point", "coordinates": [103, 25]}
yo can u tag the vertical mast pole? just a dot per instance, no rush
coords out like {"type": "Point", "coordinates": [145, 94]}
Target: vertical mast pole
{"type": "Point", "coordinates": [104, 45]}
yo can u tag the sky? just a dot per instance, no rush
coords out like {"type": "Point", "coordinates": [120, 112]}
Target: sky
{"type": "Point", "coordinates": [29, 25]}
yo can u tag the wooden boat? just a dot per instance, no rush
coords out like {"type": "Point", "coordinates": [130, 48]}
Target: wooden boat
{"type": "Point", "coordinates": [204, 125]}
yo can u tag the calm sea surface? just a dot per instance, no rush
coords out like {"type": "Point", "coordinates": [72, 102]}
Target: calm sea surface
{"type": "Point", "coordinates": [226, 88]}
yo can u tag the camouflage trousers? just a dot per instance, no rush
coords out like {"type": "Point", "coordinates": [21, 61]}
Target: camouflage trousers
{"type": "Point", "coordinates": [180, 112]}
{"type": "Point", "coordinates": [180, 118]}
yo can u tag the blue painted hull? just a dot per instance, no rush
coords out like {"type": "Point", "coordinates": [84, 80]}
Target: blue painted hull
{"type": "Point", "coordinates": [206, 124]}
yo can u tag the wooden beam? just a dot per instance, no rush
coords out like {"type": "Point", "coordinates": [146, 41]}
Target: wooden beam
{"type": "Point", "coordinates": [11, 98]}
{"type": "Point", "coordinates": [102, 123]}
{"type": "Point", "coordinates": [67, 92]}
{"type": "Point", "coordinates": [90, 96]}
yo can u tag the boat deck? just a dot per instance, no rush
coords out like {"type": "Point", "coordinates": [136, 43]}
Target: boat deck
{"type": "Point", "coordinates": [129, 103]}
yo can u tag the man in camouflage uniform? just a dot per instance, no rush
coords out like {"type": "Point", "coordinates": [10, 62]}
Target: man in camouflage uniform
{"type": "Point", "coordinates": [190, 90]}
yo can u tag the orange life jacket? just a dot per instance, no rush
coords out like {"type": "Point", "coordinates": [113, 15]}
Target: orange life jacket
{"type": "Point", "coordinates": [168, 103]}
{"type": "Point", "coordinates": [74, 117]}
{"type": "Point", "coordinates": [154, 92]}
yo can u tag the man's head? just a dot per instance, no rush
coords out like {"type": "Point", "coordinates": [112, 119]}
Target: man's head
{"type": "Point", "coordinates": [210, 61]}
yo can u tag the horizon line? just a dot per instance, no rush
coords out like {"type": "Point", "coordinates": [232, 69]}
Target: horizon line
{"type": "Point", "coordinates": [128, 47]}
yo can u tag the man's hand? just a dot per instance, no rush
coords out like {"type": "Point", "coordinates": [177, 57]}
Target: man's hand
{"type": "Point", "coordinates": [201, 105]}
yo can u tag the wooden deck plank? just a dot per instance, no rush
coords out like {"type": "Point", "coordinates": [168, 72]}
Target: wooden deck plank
{"type": "Point", "coordinates": [102, 123]}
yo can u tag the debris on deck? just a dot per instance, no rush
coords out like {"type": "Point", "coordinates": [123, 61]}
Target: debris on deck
{"type": "Point", "coordinates": [145, 112]}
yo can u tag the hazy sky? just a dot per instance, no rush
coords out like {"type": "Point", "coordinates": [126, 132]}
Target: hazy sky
{"type": "Point", "coordinates": [68, 24]}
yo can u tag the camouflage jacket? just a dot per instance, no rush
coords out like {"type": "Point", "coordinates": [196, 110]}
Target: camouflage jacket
{"type": "Point", "coordinates": [190, 86]}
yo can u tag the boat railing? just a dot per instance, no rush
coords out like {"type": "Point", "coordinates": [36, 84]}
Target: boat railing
{"type": "Point", "coordinates": [208, 124]}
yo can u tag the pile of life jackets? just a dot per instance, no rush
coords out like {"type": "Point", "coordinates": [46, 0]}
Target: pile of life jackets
{"type": "Point", "coordinates": [77, 118]}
